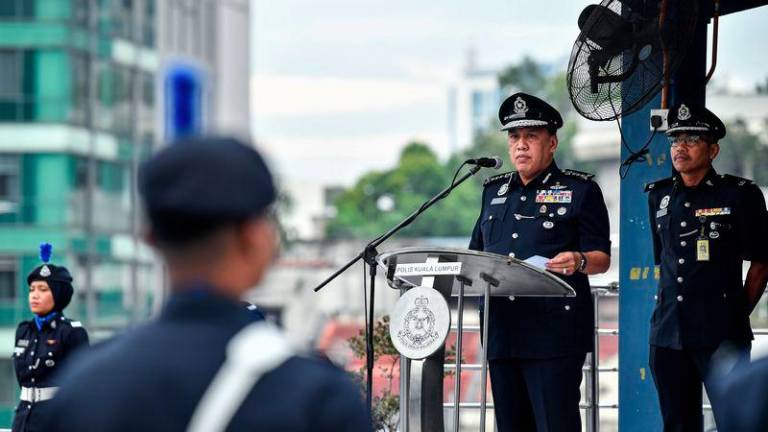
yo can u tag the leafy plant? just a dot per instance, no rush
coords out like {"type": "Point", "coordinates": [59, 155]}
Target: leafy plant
{"type": "Point", "coordinates": [386, 405]}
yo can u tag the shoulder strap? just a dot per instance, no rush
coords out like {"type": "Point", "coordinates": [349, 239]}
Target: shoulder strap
{"type": "Point", "coordinates": [254, 351]}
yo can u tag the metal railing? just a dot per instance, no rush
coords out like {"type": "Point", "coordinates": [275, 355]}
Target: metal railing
{"type": "Point", "coordinates": [591, 369]}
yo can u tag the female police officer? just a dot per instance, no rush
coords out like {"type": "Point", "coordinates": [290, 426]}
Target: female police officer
{"type": "Point", "coordinates": [45, 341]}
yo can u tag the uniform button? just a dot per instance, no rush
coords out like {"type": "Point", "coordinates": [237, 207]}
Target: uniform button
{"type": "Point", "coordinates": [679, 298]}
{"type": "Point", "coordinates": [658, 226]}
{"type": "Point", "coordinates": [683, 243]}
{"type": "Point", "coordinates": [512, 298]}
{"type": "Point", "coordinates": [681, 260]}
{"type": "Point", "coordinates": [512, 254]}
{"type": "Point", "coordinates": [515, 235]}
{"type": "Point", "coordinates": [687, 204]}
{"type": "Point", "coordinates": [523, 198]}
{"type": "Point", "coordinates": [725, 295]}
{"type": "Point", "coordinates": [683, 224]}
{"type": "Point", "coordinates": [567, 307]}
{"type": "Point", "coordinates": [29, 367]}
{"type": "Point", "coordinates": [655, 297]}
{"type": "Point", "coordinates": [33, 380]}
{"type": "Point", "coordinates": [680, 279]}
{"type": "Point", "coordinates": [490, 217]}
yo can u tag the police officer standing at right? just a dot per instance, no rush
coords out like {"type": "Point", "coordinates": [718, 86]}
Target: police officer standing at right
{"type": "Point", "coordinates": [704, 224]}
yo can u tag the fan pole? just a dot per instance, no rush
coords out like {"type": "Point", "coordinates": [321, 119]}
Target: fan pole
{"type": "Point", "coordinates": [665, 84]}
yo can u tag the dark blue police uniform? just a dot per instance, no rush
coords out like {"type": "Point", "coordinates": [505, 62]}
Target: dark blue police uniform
{"type": "Point", "coordinates": [164, 376]}
{"type": "Point", "coordinates": [743, 399]}
{"type": "Point", "coordinates": [701, 234]}
{"type": "Point", "coordinates": [152, 378]}
{"type": "Point", "coordinates": [537, 346]}
{"type": "Point", "coordinates": [38, 354]}
{"type": "Point", "coordinates": [43, 345]}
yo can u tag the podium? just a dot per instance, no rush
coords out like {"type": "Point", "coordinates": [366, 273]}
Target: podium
{"type": "Point", "coordinates": [419, 325]}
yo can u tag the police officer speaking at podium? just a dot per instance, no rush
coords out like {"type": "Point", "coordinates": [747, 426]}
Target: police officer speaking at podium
{"type": "Point", "coordinates": [537, 346]}
{"type": "Point", "coordinates": [207, 364]}
{"type": "Point", "coordinates": [703, 224]}
{"type": "Point", "coordinates": [44, 343]}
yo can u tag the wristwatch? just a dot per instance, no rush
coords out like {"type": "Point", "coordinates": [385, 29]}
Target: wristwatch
{"type": "Point", "coordinates": [583, 263]}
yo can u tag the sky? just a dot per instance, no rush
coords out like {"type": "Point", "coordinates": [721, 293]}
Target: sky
{"type": "Point", "coordinates": [340, 86]}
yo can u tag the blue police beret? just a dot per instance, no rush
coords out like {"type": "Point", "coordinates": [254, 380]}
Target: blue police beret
{"type": "Point", "coordinates": [524, 110]}
{"type": "Point", "coordinates": [695, 119]}
{"type": "Point", "coordinates": [197, 184]}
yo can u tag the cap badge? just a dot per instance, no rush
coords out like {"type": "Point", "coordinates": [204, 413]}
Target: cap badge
{"type": "Point", "coordinates": [683, 113]}
{"type": "Point", "coordinates": [520, 106]}
{"type": "Point", "coordinates": [45, 271]}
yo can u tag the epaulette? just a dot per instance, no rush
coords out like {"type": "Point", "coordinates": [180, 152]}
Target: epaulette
{"type": "Point", "coordinates": [72, 322]}
{"type": "Point", "coordinates": [736, 179]}
{"type": "Point", "coordinates": [579, 174]}
{"type": "Point", "coordinates": [658, 183]}
{"type": "Point", "coordinates": [496, 178]}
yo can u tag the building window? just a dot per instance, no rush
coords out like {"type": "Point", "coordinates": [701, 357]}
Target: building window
{"type": "Point", "coordinates": [17, 9]}
{"type": "Point", "coordinates": [7, 279]}
{"type": "Point", "coordinates": [9, 184]}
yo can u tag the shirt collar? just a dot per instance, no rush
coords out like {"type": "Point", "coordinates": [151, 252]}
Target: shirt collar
{"type": "Point", "coordinates": [544, 177]}
{"type": "Point", "coordinates": [40, 321]}
{"type": "Point", "coordinates": [201, 302]}
{"type": "Point", "coordinates": [710, 179]}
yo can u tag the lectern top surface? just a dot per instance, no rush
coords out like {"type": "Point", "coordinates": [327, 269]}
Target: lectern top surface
{"type": "Point", "coordinates": [514, 276]}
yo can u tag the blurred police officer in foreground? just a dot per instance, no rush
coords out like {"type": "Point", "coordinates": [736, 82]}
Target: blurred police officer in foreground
{"type": "Point", "coordinates": [744, 399]}
{"type": "Point", "coordinates": [704, 224]}
{"type": "Point", "coordinates": [44, 342]}
{"type": "Point", "coordinates": [207, 363]}
{"type": "Point", "coordinates": [537, 346]}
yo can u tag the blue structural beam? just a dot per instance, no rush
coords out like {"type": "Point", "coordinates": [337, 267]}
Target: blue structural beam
{"type": "Point", "coordinates": [638, 402]}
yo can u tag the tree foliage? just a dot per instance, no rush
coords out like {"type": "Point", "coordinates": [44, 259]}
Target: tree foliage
{"type": "Point", "coordinates": [380, 199]}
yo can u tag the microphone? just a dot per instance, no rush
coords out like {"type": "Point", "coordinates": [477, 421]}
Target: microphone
{"type": "Point", "coordinates": [487, 162]}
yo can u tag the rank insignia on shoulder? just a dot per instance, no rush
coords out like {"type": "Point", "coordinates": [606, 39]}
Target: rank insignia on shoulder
{"type": "Point", "coordinates": [736, 179]}
{"type": "Point", "coordinates": [496, 178]}
{"type": "Point", "coordinates": [578, 174]}
{"type": "Point", "coordinates": [658, 183]}
{"type": "Point", "coordinates": [76, 324]}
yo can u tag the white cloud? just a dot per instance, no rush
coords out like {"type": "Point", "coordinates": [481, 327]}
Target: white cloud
{"type": "Point", "coordinates": [341, 160]}
{"type": "Point", "coordinates": [273, 95]}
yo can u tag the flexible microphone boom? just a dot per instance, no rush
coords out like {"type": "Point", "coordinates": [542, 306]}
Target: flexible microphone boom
{"type": "Point", "coordinates": [487, 162]}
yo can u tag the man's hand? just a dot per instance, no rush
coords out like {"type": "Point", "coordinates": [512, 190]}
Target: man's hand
{"type": "Point", "coordinates": [566, 263]}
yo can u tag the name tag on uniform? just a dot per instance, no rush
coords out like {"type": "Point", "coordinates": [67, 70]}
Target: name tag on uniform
{"type": "Point", "coordinates": [660, 213]}
{"type": "Point", "coordinates": [553, 196]}
{"type": "Point", "coordinates": [702, 250]}
{"type": "Point", "coordinates": [713, 211]}
{"type": "Point", "coordinates": [22, 342]}
{"type": "Point", "coordinates": [18, 351]}
{"type": "Point", "coordinates": [501, 200]}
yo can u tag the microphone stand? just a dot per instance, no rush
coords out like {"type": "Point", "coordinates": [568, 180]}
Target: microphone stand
{"type": "Point", "coordinates": [368, 254]}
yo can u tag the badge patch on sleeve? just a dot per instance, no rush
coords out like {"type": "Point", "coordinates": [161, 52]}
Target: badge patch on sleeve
{"type": "Point", "coordinates": [713, 211]}
{"type": "Point", "coordinates": [553, 196]}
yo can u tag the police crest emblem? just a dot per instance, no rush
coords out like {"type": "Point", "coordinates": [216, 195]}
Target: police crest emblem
{"type": "Point", "coordinates": [683, 113]}
{"type": "Point", "coordinates": [520, 106]}
{"type": "Point", "coordinates": [420, 322]}
{"type": "Point", "coordinates": [45, 271]}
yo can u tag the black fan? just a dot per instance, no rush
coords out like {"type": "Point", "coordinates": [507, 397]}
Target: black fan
{"type": "Point", "coordinates": [617, 62]}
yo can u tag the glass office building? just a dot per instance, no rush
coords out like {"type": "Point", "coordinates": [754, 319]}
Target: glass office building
{"type": "Point", "coordinates": [77, 114]}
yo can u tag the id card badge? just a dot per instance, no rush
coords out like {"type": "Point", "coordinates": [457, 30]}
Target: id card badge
{"type": "Point", "coordinates": [702, 250]}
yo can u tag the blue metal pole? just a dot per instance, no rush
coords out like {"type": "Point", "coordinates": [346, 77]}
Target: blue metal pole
{"type": "Point", "coordinates": [638, 401]}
